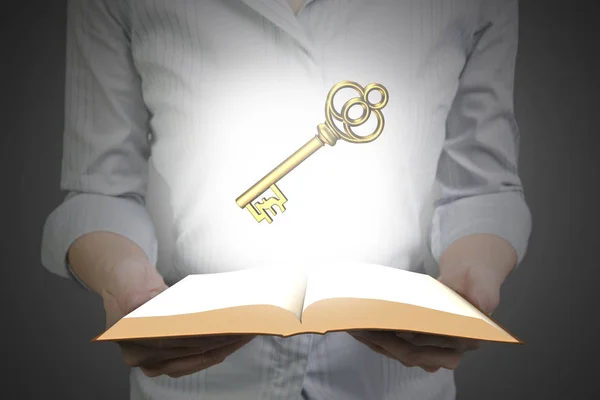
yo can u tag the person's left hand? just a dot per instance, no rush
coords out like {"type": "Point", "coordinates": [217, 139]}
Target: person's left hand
{"type": "Point", "coordinates": [475, 267]}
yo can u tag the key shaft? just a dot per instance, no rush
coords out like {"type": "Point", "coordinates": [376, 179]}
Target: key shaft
{"type": "Point", "coordinates": [325, 136]}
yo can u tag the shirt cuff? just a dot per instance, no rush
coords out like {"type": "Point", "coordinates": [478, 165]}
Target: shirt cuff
{"type": "Point", "coordinates": [502, 214]}
{"type": "Point", "coordinates": [85, 213]}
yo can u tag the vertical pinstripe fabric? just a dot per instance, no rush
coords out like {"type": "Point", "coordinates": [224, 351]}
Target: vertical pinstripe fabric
{"type": "Point", "coordinates": [173, 108]}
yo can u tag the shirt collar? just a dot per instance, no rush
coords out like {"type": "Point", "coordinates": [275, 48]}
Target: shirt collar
{"type": "Point", "coordinates": [280, 14]}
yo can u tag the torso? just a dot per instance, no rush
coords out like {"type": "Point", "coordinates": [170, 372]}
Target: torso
{"type": "Point", "coordinates": [235, 94]}
{"type": "Point", "coordinates": [233, 90]}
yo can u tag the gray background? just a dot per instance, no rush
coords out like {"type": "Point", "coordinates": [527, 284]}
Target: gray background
{"type": "Point", "coordinates": [550, 302]}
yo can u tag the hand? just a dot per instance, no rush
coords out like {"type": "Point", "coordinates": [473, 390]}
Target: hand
{"type": "Point", "coordinates": [133, 283]}
{"type": "Point", "coordinates": [475, 267]}
{"type": "Point", "coordinates": [429, 352]}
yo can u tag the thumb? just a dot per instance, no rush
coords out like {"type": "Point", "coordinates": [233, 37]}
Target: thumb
{"type": "Point", "coordinates": [130, 301]}
{"type": "Point", "coordinates": [477, 286]}
{"type": "Point", "coordinates": [119, 305]}
{"type": "Point", "coordinates": [483, 292]}
{"type": "Point", "coordinates": [133, 284]}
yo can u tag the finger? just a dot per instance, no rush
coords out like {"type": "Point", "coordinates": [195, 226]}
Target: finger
{"type": "Point", "coordinates": [210, 353]}
{"type": "Point", "coordinates": [189, 365]}
{"type": "Point", "coordinates": [415, 355]}
{"type": "Point", "coordinates": [361, 336]}
{"type": "Point", "coordinates": [133, 283]}
{"type": "Point", "coordinates": [376, 348]}
{"type": "Point", "coordinates": [447, 342]}
{"type": "Point", "coordinates": [206, 342]}
{"type": "Point", "coordinates": [417, 339]}
{"type": "Point", "coordinates": [470, 344]}
{"type": "Point", "coordinates": [223, 356]}
{"type": "Point", "coordinates": [136, 356]}
{"type": "Point", "coordinates": [431, 369]}
{"type": "Point", "coordinates": [481, 287]}
{"type": "Point", "coordinates": [384, 352]}
{"type": "Point", "coordinates": [485, 296]}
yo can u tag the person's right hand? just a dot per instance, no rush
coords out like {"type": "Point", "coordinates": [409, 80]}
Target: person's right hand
{"type": "Point", "coordinates": [133, 283]}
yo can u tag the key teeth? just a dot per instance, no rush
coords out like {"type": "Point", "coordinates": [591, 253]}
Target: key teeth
{"type": "Point", "coordinates": [263, 209]}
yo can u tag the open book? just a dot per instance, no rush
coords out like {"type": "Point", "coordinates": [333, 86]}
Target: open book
{"type": "Point", "coordinates": [291, 301]}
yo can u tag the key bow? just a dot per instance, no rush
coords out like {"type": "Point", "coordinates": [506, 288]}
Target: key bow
{"type": "Point", "coordinates": [330, 133]}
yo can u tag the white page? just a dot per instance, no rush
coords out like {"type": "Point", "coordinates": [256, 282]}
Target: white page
{"type": "Point", "coordinates": [369, 281]}
{"type": "Point", "coordinates": [280, 287]}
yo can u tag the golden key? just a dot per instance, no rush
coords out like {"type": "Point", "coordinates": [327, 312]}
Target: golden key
{"type": "Point", "coordinates": [328, 133]}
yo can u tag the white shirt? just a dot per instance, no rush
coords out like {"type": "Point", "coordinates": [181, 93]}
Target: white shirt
{"type": "Point", "coordinates": [174, 109]}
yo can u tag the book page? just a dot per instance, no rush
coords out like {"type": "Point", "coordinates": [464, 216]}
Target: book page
{"type": "Point", "coordinates": [279, 287]}
{"type": "Point", "coordinates": [370, 281]}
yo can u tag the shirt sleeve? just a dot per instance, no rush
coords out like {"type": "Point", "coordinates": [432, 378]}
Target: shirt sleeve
{"type": "Point", "coordinates": [479, 187]}
{"type": "Point", "coordinates": [105, 138]}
